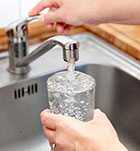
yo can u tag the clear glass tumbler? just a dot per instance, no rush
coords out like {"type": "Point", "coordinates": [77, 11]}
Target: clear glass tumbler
{"type": "Point", "coordinates": [72, 94]}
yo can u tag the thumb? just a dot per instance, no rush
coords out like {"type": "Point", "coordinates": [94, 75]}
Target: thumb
{"type": "Point", "coordinates": [41, 6]}
{"type": "Point", "coordinates": [49, 120]}
{"type": "Point", "coordinates": [53, 16]}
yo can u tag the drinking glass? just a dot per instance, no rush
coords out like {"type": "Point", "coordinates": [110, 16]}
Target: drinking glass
{"type": "Point", "coordinates": [72, 94]}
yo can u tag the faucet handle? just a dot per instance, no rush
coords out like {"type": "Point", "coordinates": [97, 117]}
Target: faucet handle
{"type": "Point", "coordinates": [20, 26]}
{"type": "Point", "coordinates": [32, 18]}
{"type": "Point", "coordinates": [17, 33]}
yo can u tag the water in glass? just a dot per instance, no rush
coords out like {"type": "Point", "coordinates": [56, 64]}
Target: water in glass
{"type": "Point", "coordinates": [72, 93]}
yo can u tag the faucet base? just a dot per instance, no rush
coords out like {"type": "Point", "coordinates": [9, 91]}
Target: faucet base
{"type": "Point", "coordinates": [19, 70]}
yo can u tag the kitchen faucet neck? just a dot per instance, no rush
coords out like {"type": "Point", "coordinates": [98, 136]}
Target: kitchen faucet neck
{"type": "Point", "coordinates": [19, 59]}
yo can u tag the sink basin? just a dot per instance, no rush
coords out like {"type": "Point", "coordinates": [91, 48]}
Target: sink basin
{"type": "Point", "coordinates": [22, 98]}
{"type": "Point", "coordinates": [118, 95]}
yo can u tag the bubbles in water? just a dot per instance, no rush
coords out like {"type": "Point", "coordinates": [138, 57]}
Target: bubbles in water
{"type": "Point", "coordinates": [74, 96]}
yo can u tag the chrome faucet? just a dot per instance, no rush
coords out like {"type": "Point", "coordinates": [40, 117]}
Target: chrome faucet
{"type": "Point", "coordinates": [19, 59]}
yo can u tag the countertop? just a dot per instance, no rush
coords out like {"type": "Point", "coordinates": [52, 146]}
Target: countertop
{"type": "Point", "coordinates": [125, 37]}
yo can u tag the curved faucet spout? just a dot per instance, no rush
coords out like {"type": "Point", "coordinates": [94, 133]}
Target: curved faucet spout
{"type": "Point", "coordinates": [19, 59]}
{"type": "Point", "coordinates": [69, 46]}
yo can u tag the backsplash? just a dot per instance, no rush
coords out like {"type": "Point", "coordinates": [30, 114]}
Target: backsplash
{"type": "Point", "coordinates": [26, 5]}
{"type": "Point", "coordinates": [11, 10]}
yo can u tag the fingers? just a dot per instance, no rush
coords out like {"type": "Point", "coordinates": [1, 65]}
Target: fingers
{"type": "Point", "coordinates": [55, 22]}
{"type": "Point", "coordinates": [60, 28]}
{"type": "Point", "coordinates": [53, 16]}
{"type": "Point", "coordinates": [50, 134]}
{"type": "Point", "coordinates": [50, 26]}
{"type": "Point", "coordinates": [49, 120]}
{"type": "Point", "coordinates": [99, 116]}
{"type": "Point", "coordinates": [63, 28]}
{"type": "Point", "coordinates": [41, 6]}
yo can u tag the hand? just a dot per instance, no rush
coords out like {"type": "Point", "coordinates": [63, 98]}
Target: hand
{"type": "Point", "coordinates": [70, 134]}
{"type": "Point", "coordinates": [66, 13]}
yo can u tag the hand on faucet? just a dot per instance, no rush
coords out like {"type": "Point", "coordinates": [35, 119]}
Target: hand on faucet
{"type": "Point", "coordinates": [68, 13]}
{"type": "Point", "coordinates": [65, 13]}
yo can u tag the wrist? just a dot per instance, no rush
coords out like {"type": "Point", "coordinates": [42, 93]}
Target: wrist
{"type": "Point", "coordinates": [96, 14]}
{"type": "Point", "coordinates": [115, 12]}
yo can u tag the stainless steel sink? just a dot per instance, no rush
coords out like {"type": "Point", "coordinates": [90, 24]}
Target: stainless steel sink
{"type": "Point", "coordinates": [117, 94]}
